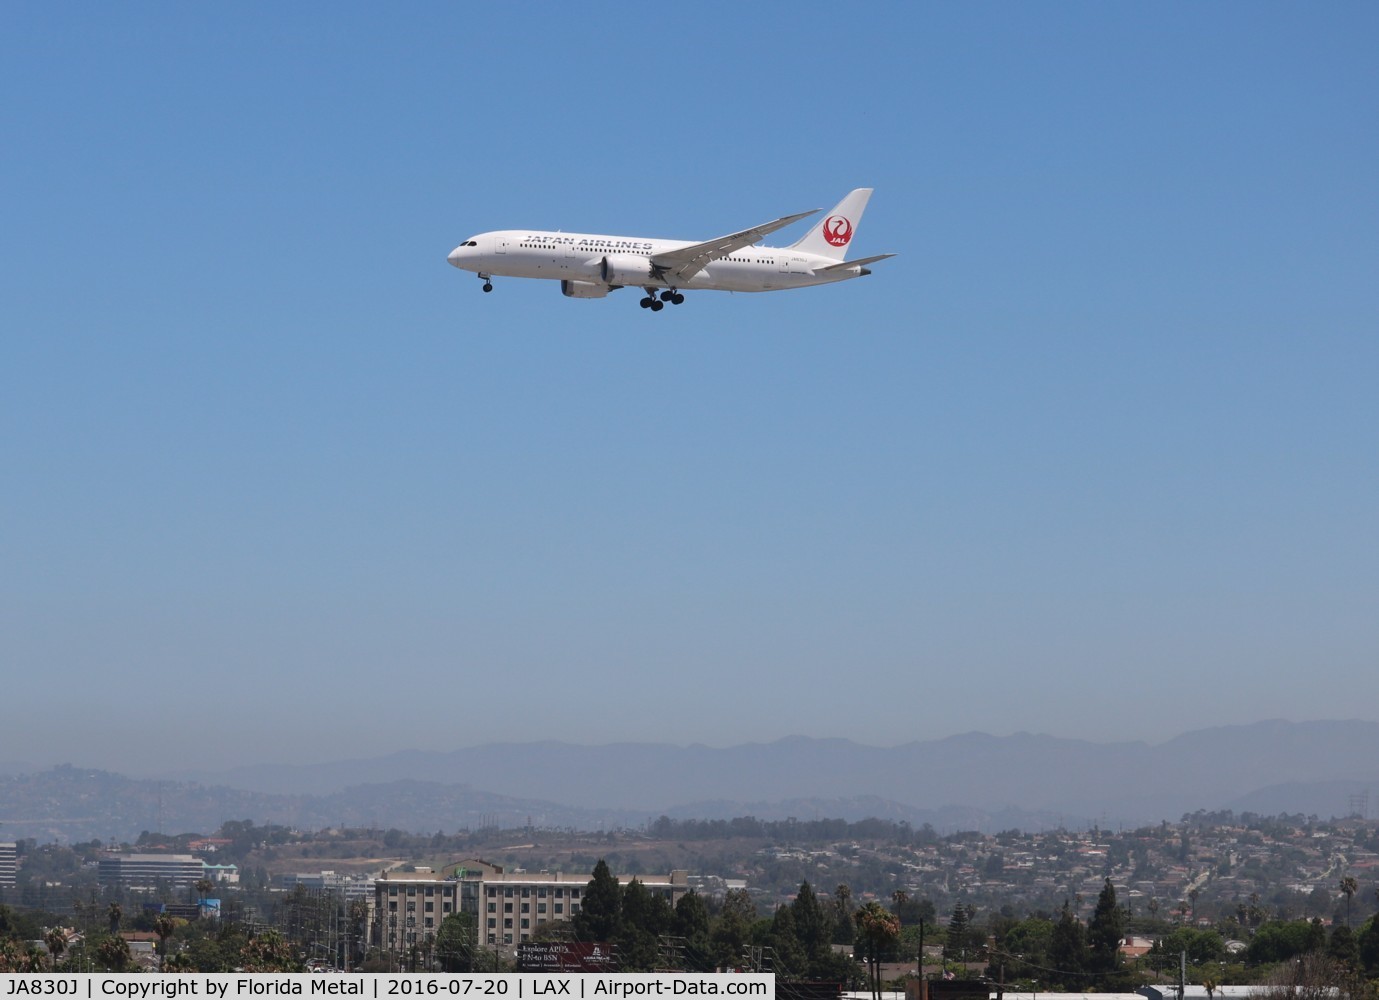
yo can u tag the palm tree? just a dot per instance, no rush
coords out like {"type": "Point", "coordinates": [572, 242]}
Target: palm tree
{"type": "Point", "coordinates": [57, 944]}
{"type": "Point", "coordinates": [114, 953]}
{"type": "Point", "coordinates": [116, 915]}
{"type": "Point", "coordinates": [1349, 887]}
{"type": "Point", "coordinates": [356, 931]}
{"type": "Point", "coordinates": [163, 926]}
{"type": "Point", "coordinates": [268, 952]}
{"type": "Point", "coordinates": [879, 928]}
{"type": "Point", "coordinates": [842, 900]}
{"type": "Point", "coordinates": [843, 896]}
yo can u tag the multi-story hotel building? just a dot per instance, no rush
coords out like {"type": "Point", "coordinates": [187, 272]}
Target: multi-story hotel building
{"type": "Point", "coordinates": [509, 907]}
{"type": "Point", "coordinates": [409, 907]}
{"type": "Point", "coordinates": [9, 865]}
{"type": "Point", "coordinates": [150, 871]}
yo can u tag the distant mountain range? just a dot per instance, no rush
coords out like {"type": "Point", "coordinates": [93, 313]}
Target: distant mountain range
{"type": "Point", "coordinates": [972, 781]}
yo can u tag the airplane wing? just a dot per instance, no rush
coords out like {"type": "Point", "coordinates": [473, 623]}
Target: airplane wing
{"type": "Point", "coordinates": [685, 263]}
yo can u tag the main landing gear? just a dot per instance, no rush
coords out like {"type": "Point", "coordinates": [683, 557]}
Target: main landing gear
{"type": "Point", "coordinates": [488, 285]}
{"type": "Point", "coordinates": [656, 305]}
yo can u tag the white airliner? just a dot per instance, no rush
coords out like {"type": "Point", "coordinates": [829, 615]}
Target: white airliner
{"type": "Point", "coordinates": [589, 267]}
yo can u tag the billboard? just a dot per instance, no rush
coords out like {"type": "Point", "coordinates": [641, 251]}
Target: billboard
{"type": "Point", "coordinates": [566, 956]}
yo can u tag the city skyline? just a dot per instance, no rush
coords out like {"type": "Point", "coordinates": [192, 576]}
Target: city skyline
{"type": "Point", "coordinates": [1096, 457]}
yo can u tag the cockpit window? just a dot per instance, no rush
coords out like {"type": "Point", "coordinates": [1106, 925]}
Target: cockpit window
{"type": "Point", "coordinates": [469, 243]}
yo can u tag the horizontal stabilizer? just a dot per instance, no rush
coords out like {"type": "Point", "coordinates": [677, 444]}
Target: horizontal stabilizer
{"type": "Point", "coordinates": [853, 263]}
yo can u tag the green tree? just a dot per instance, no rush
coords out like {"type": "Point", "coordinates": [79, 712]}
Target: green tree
{"type": "Point", "coordinates": [914, 909]}
{"type": "Point", "coordinates": [790, 961]}
{"type": "Point", "coordinates": [1202, 947]}
{"type": "Point", "coordinates": [181, 962]}
{"type": "Point", "coordinates": [691, 925]}
{"type": "Point", "coordinates": [1367, 946]}
{"type": "Point", "coordinates": [733, 928]}
{"type": "Point", "coordinates": [644, 916]}
{"type": "Point", "coordinates": [955, 942]}
{"type": "Point", "coordinates": [214, 947]}
{"type": "Point", "coordinates": [811, 924]}
{"type": "Point", "coordinates": [1105, 932]}
{"type": "Point", "coordinates": [1281, 940]}
{"type": "Point", "coordinates": [1343, 947]}
{"type": "Point", "coordinates": [1068, 952]}
{"type": "Point", "coordinates": [1025, 945]}
{"type": "Point", "coordinates": [455, 943]}
{"type": "Point", "coordinates": [600, 913]}
{"type": "Point", "coordinates": [837, 967]}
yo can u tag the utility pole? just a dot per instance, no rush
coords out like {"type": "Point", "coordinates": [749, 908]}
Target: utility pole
{"type": "Point", "coordinates": [672, 949]}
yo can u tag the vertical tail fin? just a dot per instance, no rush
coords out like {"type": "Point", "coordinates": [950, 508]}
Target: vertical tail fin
{"type": "Point", "coordinates": [831, 236]}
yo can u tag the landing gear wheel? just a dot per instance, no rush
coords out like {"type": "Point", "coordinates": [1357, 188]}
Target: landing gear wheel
{"type": "Point", "coordinates": [677, 299]}
{"type": "Point", "coordinates": [646, 302]}
{"type": "Point", "coordinates": [667, 295]}
{"type": "Point", "coordinates": [657, 305]}
{"type": "Point", "coordinates": [488, 286]}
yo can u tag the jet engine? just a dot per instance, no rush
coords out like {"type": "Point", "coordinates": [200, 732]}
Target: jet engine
{"type": "Point", "coordinates": [583, 289]}
{"type": "Point", "coordinates": [625, 269]}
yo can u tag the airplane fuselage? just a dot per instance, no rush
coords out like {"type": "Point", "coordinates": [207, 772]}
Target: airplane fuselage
{"type": "Point", "coordinates": [618, 261]}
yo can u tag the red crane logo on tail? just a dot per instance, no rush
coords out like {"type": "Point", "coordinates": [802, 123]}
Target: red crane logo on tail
{"type": "Point", "coordinates": [837, 230]}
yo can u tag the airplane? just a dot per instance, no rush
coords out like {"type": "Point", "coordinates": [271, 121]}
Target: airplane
{"type": "Point", "coordinates": [591, 266]}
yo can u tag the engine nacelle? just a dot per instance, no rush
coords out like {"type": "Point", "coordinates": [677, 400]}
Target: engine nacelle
{"type": "Point", "coordinates": [583, 289]}
{"type": "Point", "coordinates": [625, 269]}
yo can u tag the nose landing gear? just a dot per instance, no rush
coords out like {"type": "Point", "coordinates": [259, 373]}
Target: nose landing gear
{"type": "Point", "coordinates": [488, 284]}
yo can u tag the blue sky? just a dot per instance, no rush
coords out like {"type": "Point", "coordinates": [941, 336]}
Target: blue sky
{"type": "Point", "coordinates": [1097, 455]}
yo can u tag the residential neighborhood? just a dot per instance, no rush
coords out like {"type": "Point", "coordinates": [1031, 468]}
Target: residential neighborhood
{"type": "Point", "coordinates": [961, 903]}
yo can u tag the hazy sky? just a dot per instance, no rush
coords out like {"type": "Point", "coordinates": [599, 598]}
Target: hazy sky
{"type": "Point", "coordinates": [1097, 455]}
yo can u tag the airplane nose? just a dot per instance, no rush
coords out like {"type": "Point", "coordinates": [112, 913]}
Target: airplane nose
{"type": "Point", "coordinates": [456, 255]}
